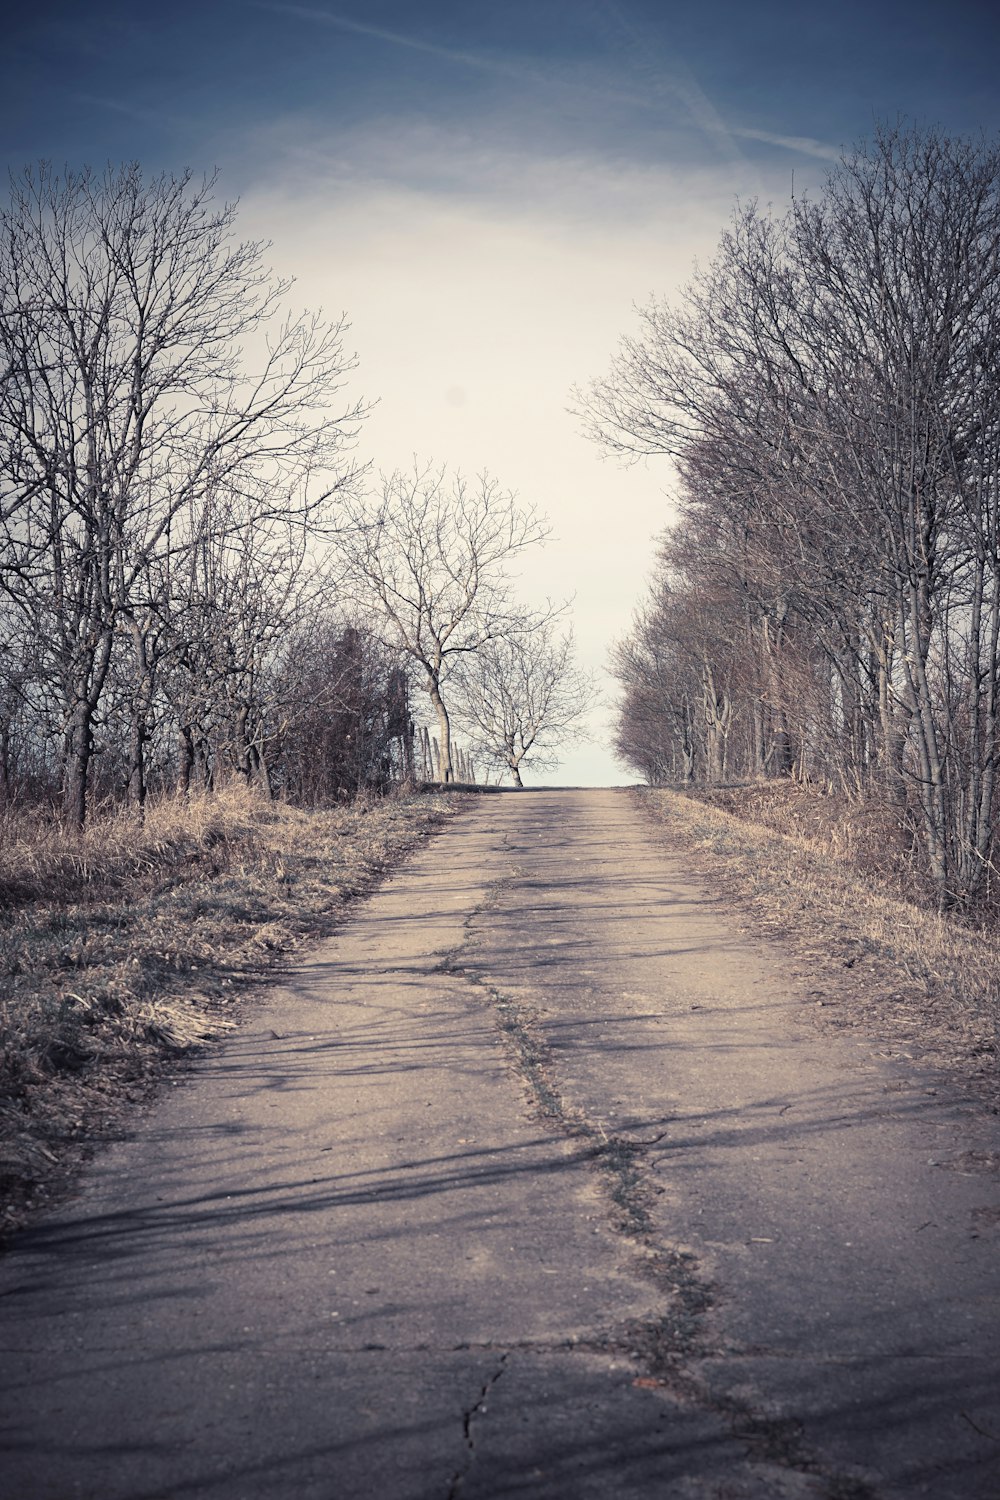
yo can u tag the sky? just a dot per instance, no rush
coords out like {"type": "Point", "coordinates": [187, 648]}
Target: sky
{"type": "Point", "coordinates": [488, 191]}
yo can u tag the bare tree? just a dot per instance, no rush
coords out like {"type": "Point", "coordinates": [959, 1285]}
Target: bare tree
{"type": "Point", "coordinates": [126, 310]}
{"type": "Point", "coordinates": [521, 697]}
{"type": "Point", "coordinates": [431, 555]}
{"type": "Point", "coordinates": [248, 584]}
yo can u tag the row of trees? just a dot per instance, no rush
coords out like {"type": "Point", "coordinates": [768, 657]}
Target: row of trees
{"type": "Point", "coordinates": [196, 577]}
{"type": "Point", "coordinates": [828, 602]}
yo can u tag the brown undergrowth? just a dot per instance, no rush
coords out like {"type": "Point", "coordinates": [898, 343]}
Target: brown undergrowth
{"type": "Point", "coordinates": [844, 901]}
{"type": "Point", "coordinates": [864, 835]}
{"type": "Point", "coordinates": [133, 945]}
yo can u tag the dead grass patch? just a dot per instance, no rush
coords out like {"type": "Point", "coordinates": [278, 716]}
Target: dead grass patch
{"type": "Point", "coordinates": [860, 832]}
{"type": "Point", "coordinates": [133, 944]}
{"type": "Point", "coordinates": [874, 958]}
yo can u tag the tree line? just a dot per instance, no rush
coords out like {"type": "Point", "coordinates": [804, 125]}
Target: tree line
{"type": "Point", "coordinates": [827, 604]}
{"type": "Point", "coordinates": [198, 577]}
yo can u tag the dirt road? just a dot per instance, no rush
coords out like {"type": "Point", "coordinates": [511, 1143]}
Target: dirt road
{"type": "Point", "coordinates": [537, 1181]}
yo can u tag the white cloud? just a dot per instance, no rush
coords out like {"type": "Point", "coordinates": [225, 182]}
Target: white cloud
{"type": "Point", "coordinates": [634, 71]}
{"type": "Point", "coordinates": [803, 144]}
{"type": "Point", "coordinates": [317, 17]}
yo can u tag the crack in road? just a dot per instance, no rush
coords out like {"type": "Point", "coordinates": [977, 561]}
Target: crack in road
{"type": "Point", "coordinates": [468, 1418]}
{"type": "Point", "coordinates": [616, 1157]}
{"type": "Point", "coordinates": [661, 1345]}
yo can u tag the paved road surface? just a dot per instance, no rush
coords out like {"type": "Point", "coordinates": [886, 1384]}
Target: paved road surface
{"type": "Point", "coordinates": [537, 1181]}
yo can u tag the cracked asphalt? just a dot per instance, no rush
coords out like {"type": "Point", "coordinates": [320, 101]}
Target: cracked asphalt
{"type": "Point", "coordinates": [537, 1180]}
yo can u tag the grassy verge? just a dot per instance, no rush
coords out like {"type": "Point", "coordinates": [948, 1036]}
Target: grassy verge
{"type": "Point", "coordinates": [874, 957]}
{"type": "Point", "coordinates": [134, 945]}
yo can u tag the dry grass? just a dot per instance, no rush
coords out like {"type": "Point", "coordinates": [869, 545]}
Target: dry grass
{"type": "Point", "coordinates": [875, 957]}
{"type": "Point", "coordinates": [134, 944]}
{"type": "Point", "coordinates": [862, 833]}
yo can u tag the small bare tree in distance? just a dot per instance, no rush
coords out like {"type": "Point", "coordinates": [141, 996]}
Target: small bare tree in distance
{"type": "Point", "coordinates": [431, 553]}
{"type": "Point", "coordinates": [522, 697]}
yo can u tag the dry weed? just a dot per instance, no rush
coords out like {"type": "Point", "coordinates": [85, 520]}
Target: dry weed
{"type": "Point", "coordinates": [860, 832]}
{"type": "Point", "coordinates": [132, 943]}
{"type": "Point", "coordinates": [877, 959]}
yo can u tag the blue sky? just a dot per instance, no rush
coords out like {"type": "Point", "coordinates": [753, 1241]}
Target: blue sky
{"type": "Point", "coordinates": [488, 189]}
{"type": "Point", "coordinates": [103, 79]}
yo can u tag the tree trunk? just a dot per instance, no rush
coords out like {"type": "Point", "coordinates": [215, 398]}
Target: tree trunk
{"type": "Point", "coordinates": [990, 748]}
{"type": "Point", "coordinates": [241, 743]}
{"type": "Point", "coordinates": [261, 771]}
{"type": "Point", "coordinates": [185, 758]}
{"type": "Point", "coordinates": [933, 797]}
{"type": "Point", "coordinates": [6, 777]}
{"type": "Point", "coordinates": [893, 726]}
{"type": "Point", "coordinates": [445, 769]}
{"type": "Point", "coordinates": [780, 755]}
{"type": "Point", "coordinates": [137, 760]}
{"type": "Point", "coordinates": [84, 694]}
{"type": "Point", "coordinates": [204, 763]}
{"type": "Point", "coordinates": [76, 766]}
{"type": "Point", "coordinates": [139, 710]}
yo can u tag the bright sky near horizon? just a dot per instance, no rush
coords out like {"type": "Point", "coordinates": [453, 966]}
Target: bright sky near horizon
{"type": "Point", "coordinates": [487, 191]}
